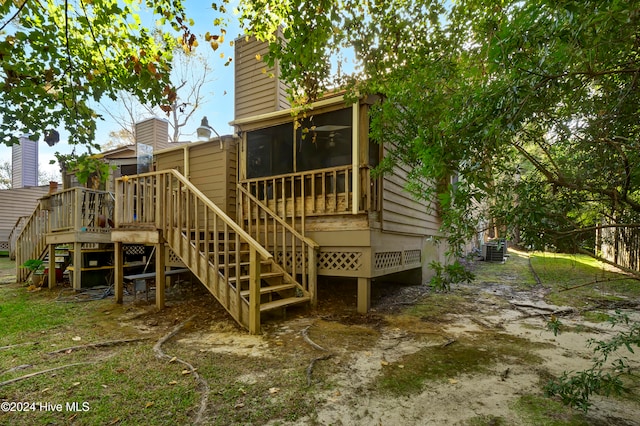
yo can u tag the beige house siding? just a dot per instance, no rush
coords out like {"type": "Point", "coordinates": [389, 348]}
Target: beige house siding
{"type": "Point", "coordinates": [154, 132]}
{"type": "Point", "coordinates": [256, 92]}
{"type": "Point", "coordinates": [15, 203]}
{"type": "Point", "coordinates": [211, 169]}
{"type": "Point", "coordinates": [403, 213]}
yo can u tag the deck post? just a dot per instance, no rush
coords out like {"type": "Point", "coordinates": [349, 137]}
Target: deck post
{"type": "Point", "coordinates": [313, 275]}
{"type": "Point", "coordinates": [52, 266]}
{"type": "Point", "coordinates": [118, 270]}
{"type": "Point", "coordinates": [77, 265]}
{"type": "Point", "coordinates": [355, 160]}
{"type": "Point", "coordinates": [254, 292]}
{"type": "Point", "coordinates": [160, 276]}
{"type": "Point", "coordinates": [364, 295]}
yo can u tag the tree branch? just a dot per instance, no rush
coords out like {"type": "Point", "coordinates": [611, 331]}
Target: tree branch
{"type": "Point", "coordinates": [24, 3]}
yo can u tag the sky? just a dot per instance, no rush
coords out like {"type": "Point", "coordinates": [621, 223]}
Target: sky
{"type": "Point", "coordinates": [218, 106]}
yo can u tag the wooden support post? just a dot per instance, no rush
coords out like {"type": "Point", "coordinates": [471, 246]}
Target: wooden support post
{"type": "Point", "coordinates": [52, 266]}
{"type": "Point", "coordinates": [313, 275]}
{"type": "Point", "coordinates": [160, 276]}
{"type": "Point", "coordinates": [364, 295]}
{"type": "Point", "coordinates": [254, 291]}
{"type": "Point", "coordinates": [355, 161]}
{"type": "Point", "coordinates": [77, 265]}
{"type": "Point", "coordinates": [118, 259]}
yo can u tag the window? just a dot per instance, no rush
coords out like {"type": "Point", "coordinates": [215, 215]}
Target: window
{"type": "Point", "coordinates": [327, 142]}
{"type": "Point", "coordinates": [270, 151]}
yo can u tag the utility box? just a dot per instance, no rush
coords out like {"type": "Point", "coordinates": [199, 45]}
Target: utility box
{"type": "Point", "coordinates": [494, 251]}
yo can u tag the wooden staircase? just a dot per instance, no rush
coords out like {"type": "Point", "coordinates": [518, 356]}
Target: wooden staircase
{"type": "Point", "coordinates": [246, 276]}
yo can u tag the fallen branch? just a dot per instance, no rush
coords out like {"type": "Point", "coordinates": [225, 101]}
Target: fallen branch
{"type": "Point", "coordinates": [310, 367]}
{"type": "Point", "coordinates": [449, 342]}
{"type": "Point", "coordinates": [37, 373]}
{"type": "Point", "coordinates": [305, 335]}
{"type": "Point", "coordinates": [17, 344]}
{"type": "Point", "coordinates": [543, 308]}
{"type": "Point", "coordinates": [535, 274]}
{"type": "Point", "coordinates": [96, 345]}
{"type": "Point", "coordinates": [19, 367]}
{"type": "Point", "coordinates": [157, 349]}
{"type": "Point", "coordinates": [606, 280]}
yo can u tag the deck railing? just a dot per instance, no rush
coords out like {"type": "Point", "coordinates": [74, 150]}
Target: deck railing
{"type": "Point", "coordinates": [296, 254]}
{"type": "Point", "coordinates": [208, 241]}
{"type": "Point", "coordinates": [80, 209]}
{"type": "Point", "coordinates": [315, 192]}
{"type": "Point", "coordinates": [75, 209]}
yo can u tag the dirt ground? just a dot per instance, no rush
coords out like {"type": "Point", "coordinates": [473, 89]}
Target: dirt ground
{"type": "Point", "coordinates": [353, 352]}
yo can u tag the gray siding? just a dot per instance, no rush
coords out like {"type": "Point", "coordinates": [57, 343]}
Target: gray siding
{"type": "Point", "coordinates": [255, 91]}
{"type": "Point", "coordinates": [24, 161]}
{"type": "Point", "coordinates": [15, 203]}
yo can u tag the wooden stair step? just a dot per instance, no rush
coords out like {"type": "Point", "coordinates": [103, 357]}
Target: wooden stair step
{"type": "Point", "coordinates": [270, 289]}
{"type": "Point", "coordinates": [263, 276]}
{"type": "Point", "coordinates": [233, 265]}
{"type": "Point", "coordinates": [281, 303]}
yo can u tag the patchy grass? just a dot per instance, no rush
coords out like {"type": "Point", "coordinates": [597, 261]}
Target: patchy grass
{"type": "Point", "coordinates": [581, 281]}
{"type": "Point", "coordinates": [541, 411]}
{"type": "Point", "coordinates": [515, 272]}
{"type": "Point", "coordinates": [126, 383]}
{"type": "Point", "coordinates": [438, 307]}
{"type": "Point", "coordinates": [477, 354]}
{"type": "Point", "coordinates": [486, 420]}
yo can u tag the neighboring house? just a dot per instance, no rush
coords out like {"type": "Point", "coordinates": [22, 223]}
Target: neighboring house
{"type": "Point", "coordinates": [259, 216]}
{"type": "Point", "coordinates": [22, 198]}
{"type": "Point", "coordinates": [80, 218]}
{"type": "Point", "coordinates": [151, 135]}
{"type": "Point", "coordinates": [14, 204]}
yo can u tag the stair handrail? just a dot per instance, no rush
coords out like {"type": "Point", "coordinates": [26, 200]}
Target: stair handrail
{"type": "Point", "coordinates": [31, 241]}
{"type": "Point", "coordinates": [14, 234]}
{"type": "Point", "coordinates": [310, 279]}
{"type": "Point", "coordinates": [308, 241]}
{"type": "Point", "coordinates": [159, 223]}
{"type": "Point", "coordinates": [163, 200]}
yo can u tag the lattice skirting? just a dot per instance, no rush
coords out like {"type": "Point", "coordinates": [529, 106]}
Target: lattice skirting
{"type": "Point", "coordinates": [396, 259]}
{"type": "Point", "coordinates": [133, 249]}
{"type": "Point", "coordinates": [340, 260]}
{"type": "Point", "coordinates": [328, 261]}
{"type": "Point", "coordinates": [172, 259]}
{"type": "Point", "coordinates": [4, 245]}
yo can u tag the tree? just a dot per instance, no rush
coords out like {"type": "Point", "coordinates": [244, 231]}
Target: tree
{"type": "Point", "coordinates": [532, 104]}
{"type": "Point", "coordinates": [59, 57]}
{"type": "Point", "coordinates": [191, 72]}
{"type": "Point", "coordinates": [6, 175]}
